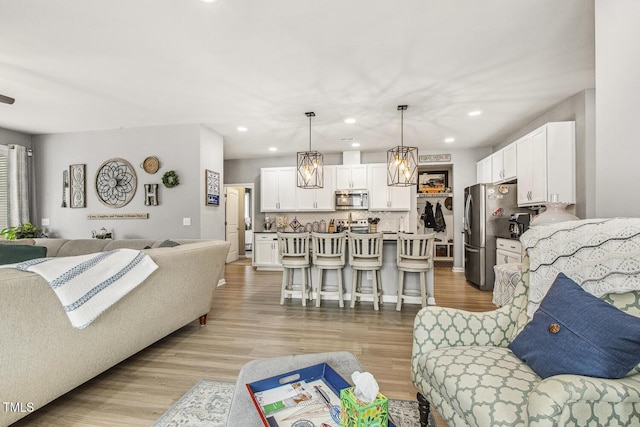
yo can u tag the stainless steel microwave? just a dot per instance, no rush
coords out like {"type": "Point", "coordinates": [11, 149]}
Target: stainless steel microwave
{"type": "Point", "coordinates": [349, 200]}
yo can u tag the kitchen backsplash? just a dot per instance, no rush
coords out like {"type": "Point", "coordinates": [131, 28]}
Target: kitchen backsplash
{"type": "Point", "coordinates": [389, 221]}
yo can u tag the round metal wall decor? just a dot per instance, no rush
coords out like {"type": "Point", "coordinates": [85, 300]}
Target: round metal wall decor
{"type": "Point", "coordinates": [151, 164]}
{"type": "Point", "coordinates": [115, 183]}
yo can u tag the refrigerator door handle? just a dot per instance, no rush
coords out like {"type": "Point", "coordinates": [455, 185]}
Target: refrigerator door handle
{"type": "Point", "coordinates": [472, 250]}
{"type": "Point", "coordinates": [467, 209]}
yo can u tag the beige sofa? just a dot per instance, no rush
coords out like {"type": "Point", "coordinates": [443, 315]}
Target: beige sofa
{"type": "Point", "coordinates": [42, 356]}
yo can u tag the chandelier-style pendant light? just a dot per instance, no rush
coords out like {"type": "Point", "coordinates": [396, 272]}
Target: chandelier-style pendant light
{"type": "Point", "coordinates": [402, 162]}
{"type": "Point", "coordinates": [310, 165]}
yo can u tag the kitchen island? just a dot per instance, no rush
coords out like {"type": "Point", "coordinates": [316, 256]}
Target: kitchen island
{"type": "Point", "coordinates": [266, 257]}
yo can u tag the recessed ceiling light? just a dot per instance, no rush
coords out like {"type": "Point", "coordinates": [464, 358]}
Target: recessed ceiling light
{"type": "Point", "coordinates": [211, 1]}
{"type": "Point", "coordinates": [449, 140]}
{"type": "Point", "coordinates": [350, 121]}
{"type": "Point", "coordinates": [242, 128]}
{"type": "Point", "coordinates": [475, 113]}
{"type": "Point", "coordinates": [355, 144]}
{"type": "Point", "coordinates": [273, 149]}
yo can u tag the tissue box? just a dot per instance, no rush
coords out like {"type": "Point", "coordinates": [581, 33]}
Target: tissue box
{"type": "Point", "coordinates": [356, 413]}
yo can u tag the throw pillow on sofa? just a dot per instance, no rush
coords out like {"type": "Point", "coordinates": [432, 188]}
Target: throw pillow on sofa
{"type": "Point", "coordinates": [574, 332]}
{"type": "Point", "coordinates": [10, 254]}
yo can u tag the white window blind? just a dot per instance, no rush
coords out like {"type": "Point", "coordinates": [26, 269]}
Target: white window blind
{"type": "Point", "coordinates": [3, 191]}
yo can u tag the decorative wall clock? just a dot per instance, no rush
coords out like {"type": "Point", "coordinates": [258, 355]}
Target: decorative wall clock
{"type": "Point", "coordinates": [115, 183]}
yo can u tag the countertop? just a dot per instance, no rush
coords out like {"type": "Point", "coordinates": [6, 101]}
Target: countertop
{"type": "Point", "coordinates": [508, 237]}
{"type": "Point", "coordinates": [388, 237]}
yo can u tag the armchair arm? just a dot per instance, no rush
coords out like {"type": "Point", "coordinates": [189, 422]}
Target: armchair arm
{"type": "Point", "coordinates": [576, 400]}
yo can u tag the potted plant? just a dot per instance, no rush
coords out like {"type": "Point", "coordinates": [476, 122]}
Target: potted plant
{"type": "Point", "coordinates": [22, 231]}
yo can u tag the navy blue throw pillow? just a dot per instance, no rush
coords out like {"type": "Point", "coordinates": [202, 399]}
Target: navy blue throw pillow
{"type": "Point", "coordinates": [574, 332]}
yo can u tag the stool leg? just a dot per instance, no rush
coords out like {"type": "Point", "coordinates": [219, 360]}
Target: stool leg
{"type": "Point", "coordinates": [431, 300]}
{"type": "Point", "coordinates": [354, 288]}
{"type": "Point", "coordinates": [400, 289]}
{"type": "Point", "coordinates": [340, 298]}
{"type": "Point", "coordinates": [303, 277]}
{"type": "Point", "coordinates": [319, 287]}
{"type": "Point", "coordinates": [310, 294]}
{"type": "Point", "coordinates": [375, 290]}
{"type": "Point", "coordinates": [423, 287]}
{"type": "Point", "coordinates": [380, 284]}
{"type": "Point", "coordinates": [285, 275]}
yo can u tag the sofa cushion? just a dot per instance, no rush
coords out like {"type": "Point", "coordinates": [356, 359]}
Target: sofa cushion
{"type": "Point", "coordinates": [168, 244]}
{"type": "Point", "coordinates": [487, 386]}
{"type": "Point", "coordinates": [29, 242]}
{"type": "Point", "coordinates": [574, 332]}
{"type": "Point", "coordinates": [10, 254]}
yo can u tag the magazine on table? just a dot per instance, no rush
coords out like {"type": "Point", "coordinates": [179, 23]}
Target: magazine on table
{"type": "Point", "coordinates": [291, 405]}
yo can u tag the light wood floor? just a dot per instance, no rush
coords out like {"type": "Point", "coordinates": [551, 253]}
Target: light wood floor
{"type": "Point", "coordinates": [247, 322]}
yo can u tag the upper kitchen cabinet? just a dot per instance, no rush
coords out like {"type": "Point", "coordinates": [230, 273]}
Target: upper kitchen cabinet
{"type": "Point", "coordinates": [483, 171]}
{"type": "Point", "coordinates": [546, 164]}
{"type": "Point", "coordinates": [351, 177]}
{"type": "Point", "coordinates": [383, 197]}
{"type": "Point", "coordinates": [504, 164]}
{"type": "Point", "coordinates": [278, 189]}
{"type": "Point", "coordinates": [318, 199]}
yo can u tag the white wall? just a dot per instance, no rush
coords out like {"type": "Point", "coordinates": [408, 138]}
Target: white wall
{"type": "Point", "coordinates": [8, 137]}
{"type": "Point", "coordinates": [618, 90]}
{"type": "Point", "coordinates": [178, 148]}
{"type": "Point", "coordinates": [212, 158]}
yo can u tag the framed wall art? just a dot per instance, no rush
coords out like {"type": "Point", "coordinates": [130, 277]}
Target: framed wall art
{"type": "Point", "coordinates": [433, 181]}
{"type": "Point", "coordinates": [77, 186]}
{"type": "Point", "coordinates": [212, 186]}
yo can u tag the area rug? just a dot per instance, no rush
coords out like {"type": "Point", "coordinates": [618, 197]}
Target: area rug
{"type": "Point", "coordinates": [208, 402]}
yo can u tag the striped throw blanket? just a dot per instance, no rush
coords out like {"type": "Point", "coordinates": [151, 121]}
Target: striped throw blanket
{"type": "Point", "coordinates": [87, 285]}
{"type": "Point", "coordinates": [601, 255]}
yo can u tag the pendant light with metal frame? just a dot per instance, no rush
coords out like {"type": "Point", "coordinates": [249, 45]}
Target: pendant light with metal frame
{"type": "Point", "coordinates": [402, 162]}
{"type": "Point", "coordinates": [310, 170]}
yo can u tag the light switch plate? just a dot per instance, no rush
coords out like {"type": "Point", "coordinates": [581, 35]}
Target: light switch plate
{"type": "Point", "coordinates": [186, 221]}
{"type": "Point", "coordinates": [45, 221]}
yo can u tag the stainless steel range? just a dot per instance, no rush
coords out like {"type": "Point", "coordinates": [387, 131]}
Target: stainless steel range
{"type": "Point", "coordinates": [354, 226]}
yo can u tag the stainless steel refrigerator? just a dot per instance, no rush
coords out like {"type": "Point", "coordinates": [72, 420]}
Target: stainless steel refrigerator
{"type": "Point", "coordinates": [487, 209]}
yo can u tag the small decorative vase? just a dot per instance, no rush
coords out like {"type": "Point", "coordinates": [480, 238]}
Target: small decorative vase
{"type": "Point", "coordinates": [554, 213]}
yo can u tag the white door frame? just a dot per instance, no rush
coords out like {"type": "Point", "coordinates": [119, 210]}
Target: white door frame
{"type": "Point", "coordinates": [251, 186]}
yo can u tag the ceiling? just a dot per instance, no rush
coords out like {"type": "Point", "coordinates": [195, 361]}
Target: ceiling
{"type": "Point", "coordinates": [96, 65]}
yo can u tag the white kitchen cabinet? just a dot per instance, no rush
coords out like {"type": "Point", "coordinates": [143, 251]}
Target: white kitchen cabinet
{"type": "Point", "coordinates": [278, 189]}
{"type": "Point", "coordinates": [383, 197]}
{"type": "Point", "coordinates": [265, 251]}
{"type": "Point", "coordinates": [483, 171]}
{"type": "Point", "coordinates": [318, 199]}
{"type": "Point", "coordinates": [546, 164]}
{"type": "Point", "coordinates": [508, 251]}
{"type": "Point", "coordinates": [504, 164]}
{"type": "Point", "coordinates": [351, 177]}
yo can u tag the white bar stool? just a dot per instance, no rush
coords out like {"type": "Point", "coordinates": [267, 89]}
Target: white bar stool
{"type": "Point", "coordinates": [294, 253]}
{"type": "Point", "coordinates": [415, 255]}
{"type": "Point", "coordinates": [329, 254]}
{"type": "Point", "coordinates": [365, 254]}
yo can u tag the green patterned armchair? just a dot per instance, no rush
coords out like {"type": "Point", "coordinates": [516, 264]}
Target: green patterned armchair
{"type": "Point", "coordinates": [461, 365]}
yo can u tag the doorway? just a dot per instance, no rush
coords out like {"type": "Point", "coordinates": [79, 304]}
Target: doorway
{"type": "Point", "coordinates": [239, 218]}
